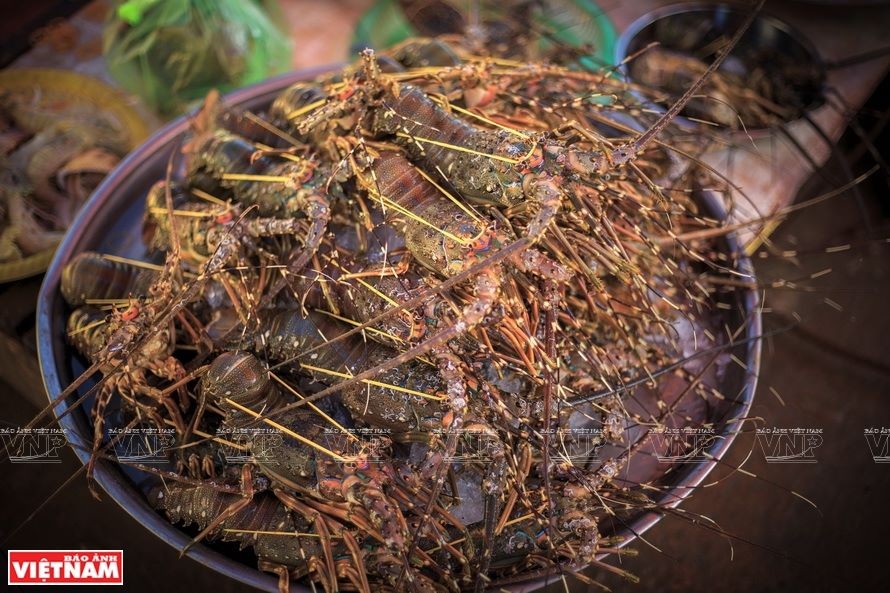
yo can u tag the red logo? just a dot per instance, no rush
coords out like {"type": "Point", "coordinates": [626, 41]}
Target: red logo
{"type": "Point", "coordinates": [71, 567]}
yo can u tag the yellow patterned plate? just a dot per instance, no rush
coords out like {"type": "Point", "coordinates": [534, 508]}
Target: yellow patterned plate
{"type": "Point", "coordinates": [61, 91]}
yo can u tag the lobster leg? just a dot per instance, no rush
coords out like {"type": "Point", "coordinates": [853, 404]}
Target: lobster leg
{"type": "Point", "coordinates": [321, 528]}
{"type": "Point", "coordinates": [492, 485]}
{"type": "Point", "coordinates": [102, 399]}
{"type": "Point", "coordinates": [319, 213]}
{"type": "Point", "coordinates": [449, 367]}
{"type": "Point", "coordinates": [532, 261]}
{"type": "Point", "coordinates": [168, 403]}
{"type": "Point", "coordinates": [172, 370]}
{"type": "Point", "coordinates": [359, 564]}
{"type": "Point", "coordinates": [544, 190]}
{"type": "Point", "coordinates": [278, 569]}
{"type": "Point", "coordinates": [247, 493]}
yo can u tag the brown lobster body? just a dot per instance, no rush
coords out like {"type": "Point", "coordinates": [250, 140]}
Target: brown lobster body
{"type": "Point", "coordinates": [291, 333]}
{"type": "Point", "coordinates": [91, 276]}
{"type": "Point", "coordinates": [428, 133]}
{"type": "Point", "coordinates": [199, 505]}
{"type": "Point", "coordinates": [445, 241]}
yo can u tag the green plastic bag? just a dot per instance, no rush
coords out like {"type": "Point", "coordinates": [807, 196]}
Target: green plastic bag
{"type": "Point", "coordinates": [172, 52]}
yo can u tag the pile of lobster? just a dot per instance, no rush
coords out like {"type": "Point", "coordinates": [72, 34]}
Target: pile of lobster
{"type": "Point", "coordinates": [439, 288]}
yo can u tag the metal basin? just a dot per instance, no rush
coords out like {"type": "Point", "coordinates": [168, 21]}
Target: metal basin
{"type": "Point", "coordinates": [771, 48]}
{"type": "Point", "coordinates": [111, 222]}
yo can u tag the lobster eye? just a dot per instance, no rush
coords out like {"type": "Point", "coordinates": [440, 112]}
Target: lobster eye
{"type": "Point", "coordinates": [481, 242]}
{"type": "Point", "coordinates": [131, 313]}
{"type": "Point", "coordinates": [536, 159]}
{"type": "Point", "coordinates": [346, 93]}
{"type": "Point", "coordinates": [224, 218]}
